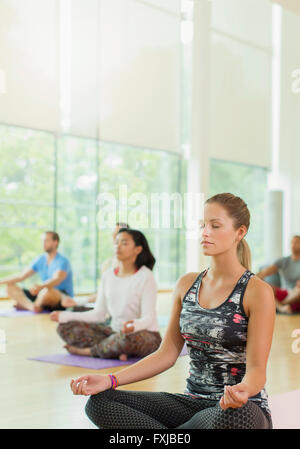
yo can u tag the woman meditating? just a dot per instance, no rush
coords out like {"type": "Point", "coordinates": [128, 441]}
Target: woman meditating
{"type": "Point", "coordinates": [225, 315]}
{"type": "Point", "coordinates": [128, 295]}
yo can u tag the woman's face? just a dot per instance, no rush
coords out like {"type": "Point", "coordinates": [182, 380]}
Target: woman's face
{"type": "Point", "coordinates": [125, 248]}
{"type": "Point", "coordinates": [218, 232]}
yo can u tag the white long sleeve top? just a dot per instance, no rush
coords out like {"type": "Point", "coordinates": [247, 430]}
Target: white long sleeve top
{"type": "Point", "coordinates": [123, 298]}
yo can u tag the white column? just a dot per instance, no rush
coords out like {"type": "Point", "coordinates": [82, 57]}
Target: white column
{"type": "Point", "coordinates": [274, 226]}
{"type": "Point", "coordinates": [198, 164]}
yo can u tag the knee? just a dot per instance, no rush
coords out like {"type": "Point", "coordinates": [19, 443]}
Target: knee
{"type": "Point", "coordinates": [61, 328]}
{"type": "Point", "coordinates": [44, 294]}
{"type": "Point", "coordinates": [97, 407]}
{"type": "Point", "coordinates": [244, 417]}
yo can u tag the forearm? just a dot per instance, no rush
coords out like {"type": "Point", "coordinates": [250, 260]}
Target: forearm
{"type": "Point", "coordinates": [140, 324]}
{"type": "Point", "coordinates": [254, 379]}
{"type": "Point", "coordinates": [51, 283]}
{"type": "Point", "coordinates": [148, 367]}
{"type": "Point", "coordinates": [12, 279]}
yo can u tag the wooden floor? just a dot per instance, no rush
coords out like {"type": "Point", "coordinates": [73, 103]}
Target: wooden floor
{"type": "Point", "coordinates": [36, 395]}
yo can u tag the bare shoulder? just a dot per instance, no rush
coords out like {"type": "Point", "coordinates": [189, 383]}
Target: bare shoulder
{"type": "Point", "coordinates": [257, 294]}
{"type": "Point", "coordinates": [185, 282]}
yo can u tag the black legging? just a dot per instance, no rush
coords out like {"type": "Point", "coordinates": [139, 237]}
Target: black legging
{"type": "Point", "coordinates": [120, 409]}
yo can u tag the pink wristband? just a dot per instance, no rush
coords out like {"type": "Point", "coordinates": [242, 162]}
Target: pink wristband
{"type": "Point", "coordinates": [114, 381]}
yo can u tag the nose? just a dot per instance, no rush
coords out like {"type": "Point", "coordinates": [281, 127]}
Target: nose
{"type": "Point", "coordinates": [205, 231]}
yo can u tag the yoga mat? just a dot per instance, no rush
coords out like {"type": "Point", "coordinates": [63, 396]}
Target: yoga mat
{"type": "Point", "coordinates": [88, 362]}
{"type": "Point", "coordinates": [285, 410]}
{"type": "Point", "coordinates": [18, 313]}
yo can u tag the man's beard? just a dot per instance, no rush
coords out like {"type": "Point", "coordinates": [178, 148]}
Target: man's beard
{"type": "Point", "coordinates": [49, 250]}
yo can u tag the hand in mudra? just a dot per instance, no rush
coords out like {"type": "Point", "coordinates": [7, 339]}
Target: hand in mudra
{"type": "Point", "coordinates": [234, 396]}
{"type": "Point", "coordinates": [90, 384]}
{"type": "Point", "coordinates": [128, 327]}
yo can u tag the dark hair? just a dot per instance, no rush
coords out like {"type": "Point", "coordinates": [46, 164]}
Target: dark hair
{"type": "Point", "coordinates": [237, 209]}
{"type": "Point", "coordinates": [145, 257]}
{"type": "Point", "coordinates": [54, 235]}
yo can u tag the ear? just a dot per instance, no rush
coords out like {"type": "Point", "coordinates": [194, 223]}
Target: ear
{"type": "Point", "coordinates": [138, 249]}
{"type": "Point", "coordinates": [242, 232]}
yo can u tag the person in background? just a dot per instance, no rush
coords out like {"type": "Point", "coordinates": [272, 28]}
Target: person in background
{"type": "Point", "coordinates": [288, 295]}
{"type": "Point", "coordinates": [56, 275]}
{"type": "Point", "coordinates": [83, 304]}
{"type": "Point", "coordinates": [128, 295]}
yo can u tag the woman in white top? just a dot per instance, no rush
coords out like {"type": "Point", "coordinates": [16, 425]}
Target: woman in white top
{"type": "Point", "coordinates": [128, 295]}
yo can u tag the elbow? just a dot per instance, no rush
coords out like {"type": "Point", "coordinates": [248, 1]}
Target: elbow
{"type": "Point", "coordinates": [168, 357]}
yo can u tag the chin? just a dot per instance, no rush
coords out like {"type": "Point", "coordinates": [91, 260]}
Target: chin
{"type": "Point", "coordinates": [207, 252]}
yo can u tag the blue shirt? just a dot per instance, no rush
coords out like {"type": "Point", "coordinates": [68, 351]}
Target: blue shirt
{"type": "Point", "coordinates": [46, 272]}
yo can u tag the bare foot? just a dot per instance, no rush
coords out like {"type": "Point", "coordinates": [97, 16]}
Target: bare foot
{"type": "Point", "coordinates": [123, 357]}
{"type": "Point", "coordinates": [37, 309]}
{"type": "Point", "coordinates": [77, 351]}
{"type": "Point", "coordinates": [283, 308]}
{"type": "Point", "coordinates": [19, 307]}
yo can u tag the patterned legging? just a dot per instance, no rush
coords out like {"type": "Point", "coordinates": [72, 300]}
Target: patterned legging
{"type": "Point", "coordinates": [106, 343]}
{"type": "Point", "coordinates": [120, 409]}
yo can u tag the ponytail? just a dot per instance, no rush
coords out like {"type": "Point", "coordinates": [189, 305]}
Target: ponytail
{"type": "Point", "coordinates": [244, 254]}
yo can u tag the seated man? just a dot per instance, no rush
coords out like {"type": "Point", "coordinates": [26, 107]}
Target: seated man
{"type": "Point", "coordinates": [56, 275]}
{"type": "Point", "coordinates": [288, 296]}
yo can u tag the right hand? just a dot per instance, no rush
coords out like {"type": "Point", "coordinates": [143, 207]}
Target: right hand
{"type": "Point", "coordinates": [90, 384]}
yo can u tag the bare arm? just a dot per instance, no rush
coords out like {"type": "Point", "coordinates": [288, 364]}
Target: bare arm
{"type": "Point", "coordinates": [268, 271]}
{"type": "Point", "coordinates": [262, 312]}
{"type": "Point", "coordinates": [259, 305]}
{"type": "Point", "coordinates": [18, 278]}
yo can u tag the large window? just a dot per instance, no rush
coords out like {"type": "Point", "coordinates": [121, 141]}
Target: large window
{"type": "Point", "coordinates": [147, 173]}
{"type": "Point", "coordinates": [53, 184]}
{"type": "Point", "coordinates": [250, 183]}
{"type": "Point", "coordinates": [27, 185]}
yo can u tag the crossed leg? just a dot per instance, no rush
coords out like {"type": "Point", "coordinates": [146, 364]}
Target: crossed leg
{"type": "Point", "coordinates": [16, 293]}
{"type": "Point", "coordinates": [46, 298]}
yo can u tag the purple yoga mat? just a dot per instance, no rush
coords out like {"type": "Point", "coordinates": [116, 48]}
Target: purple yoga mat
{"type": "Point", "coordinates": [88, 362]}
{"type": "Point", "coordinates": [18, 313]}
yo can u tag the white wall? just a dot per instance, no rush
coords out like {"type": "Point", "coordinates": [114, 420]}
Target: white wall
{"type": "Point", "coordinates": [289, 152]}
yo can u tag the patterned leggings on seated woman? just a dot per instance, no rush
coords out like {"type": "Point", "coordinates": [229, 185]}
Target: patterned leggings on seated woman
{"type": "Point", "coordinates": [120, 409]}
{"type": "Point", "coordinates": [105, 342]}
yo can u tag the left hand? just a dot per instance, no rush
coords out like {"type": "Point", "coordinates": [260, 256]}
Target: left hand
{"type": "Point", "coordinates": [234, 396]}
{"type": "Point", "coordinates": [54, 316]}
{"type": "Point", "coordinates": [35, 290]}
{"type": "Point", "coordinates": [128, 327]}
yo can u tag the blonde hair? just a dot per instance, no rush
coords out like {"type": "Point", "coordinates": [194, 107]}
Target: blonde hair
{"type": "Point", "coordinates": [237, 209]}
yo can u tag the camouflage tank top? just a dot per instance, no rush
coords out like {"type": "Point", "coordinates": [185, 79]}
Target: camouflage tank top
{"type": "Point", "coordinates": [216, 343]}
